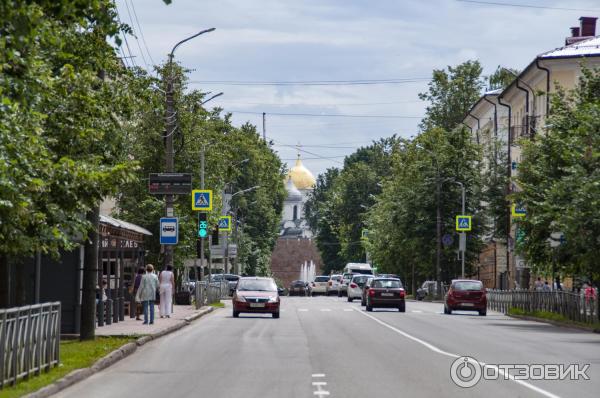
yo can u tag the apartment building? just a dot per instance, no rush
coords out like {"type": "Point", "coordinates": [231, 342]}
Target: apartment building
{"type": "Point", "coordinates": [518, 112]}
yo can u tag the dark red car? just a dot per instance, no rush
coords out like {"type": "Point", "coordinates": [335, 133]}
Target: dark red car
{"type": "Point", "coordinates": [256, 295]}
{"type": "Point", "coordinates": [466, 294]}
{"type": "Point", "coordinates": [385, 293]}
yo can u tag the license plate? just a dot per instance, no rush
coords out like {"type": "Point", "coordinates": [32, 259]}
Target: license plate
{"type": "Point", "coordinates": [467, 304]}
{"type": "Point", "coordinates": [257, 305]}
{"type": "Point", "coordinates": [387, 294]}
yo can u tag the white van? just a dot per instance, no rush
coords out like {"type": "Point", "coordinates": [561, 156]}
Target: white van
{"type": "Point", "coordinates": [358, 268]}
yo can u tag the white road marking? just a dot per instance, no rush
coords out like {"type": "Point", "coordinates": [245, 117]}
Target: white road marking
{"type": "Point", "coordinates": [325, 309]}
{"type": "Point", "coordinates": [451, 355]}
{"type": "Point", "coordinates": [303, 309]}
{"type": "Point", "coordinates": [319, 383]}
{"type": "Point", "coordinates": [348, 309]}
{"type": "Point", "coordinates": [321, 392]}
{"type": "Point", "coordinates": [318, 375]}
{"type": "Point", "coordinates": [417, 311]}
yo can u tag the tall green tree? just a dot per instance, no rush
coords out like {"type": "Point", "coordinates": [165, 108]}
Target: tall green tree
{"type": "Point", "coordinates": [450, 94]}
{"type": "Point", "coordinates": [559, 178]}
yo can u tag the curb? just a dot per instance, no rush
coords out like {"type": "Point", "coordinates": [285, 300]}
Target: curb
{"type": "Point", "coordinates": [81, 374]}
{"type": "Point", "coordinates": [554, 323]}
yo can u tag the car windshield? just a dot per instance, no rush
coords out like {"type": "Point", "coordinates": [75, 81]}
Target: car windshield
{"type": "Point", "coordinates": [298, 283]}
{"type": "Point", "coordinates": [347, 277]}
{"type": "Point", "coordinates": [321, 279]}
{"type": "Point", "coordinates": [336, 278]}
{"type": "Point", "coordinates": [360, 280]}
{"type": "Point", "coordinates": [386, 283]}
{"type": "Point", "coordinates": [261, 285]}
{"type": "Point", "coordinates": [363, 271]}
{"type": "Point", "coordinates": [468, 285]}
{"type": "Point", "coordinates": [232, 278]}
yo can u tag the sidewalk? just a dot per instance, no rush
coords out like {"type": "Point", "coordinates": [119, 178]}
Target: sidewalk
{"type": "Point", "coordinates": [182, 314]}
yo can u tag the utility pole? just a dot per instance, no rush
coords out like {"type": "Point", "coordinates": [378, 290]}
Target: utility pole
{"type": "Point", "coordinates": [438, 233]}
{"type": "Point", "coordinates": [463, 236]}
{"type": "Point", "coordinates": [264, 127]}
{"type": "Point", "coordinates": [202, 154]}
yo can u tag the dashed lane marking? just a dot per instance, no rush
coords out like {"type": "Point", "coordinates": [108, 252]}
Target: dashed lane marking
{"type": "Point", "coordinates": [320, 391]}
{"type": "Point", "coordinates": [348, 309]}
{"type": "Point", "coordinates": [303, 309]}
{"type": "Point", "coordinates": [318, 375]}
{"type": "Point", "coordinates": [417, 311]}
{"type": "Point", "coordinates": [325, 309]}
{"type": "Point", "coordinates": [319, 383]}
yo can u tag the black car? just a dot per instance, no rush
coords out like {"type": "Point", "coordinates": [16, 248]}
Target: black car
{"type": "Point", "coordinates": [299, 288]}
{"type": "Point", "coordinates": [386, 293]}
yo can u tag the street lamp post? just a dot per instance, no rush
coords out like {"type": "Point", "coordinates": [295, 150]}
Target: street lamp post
{"type": "Point", "coordinates": [170, 122]}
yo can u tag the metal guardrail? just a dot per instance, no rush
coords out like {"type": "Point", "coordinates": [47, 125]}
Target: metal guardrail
{"type": "Point", "coordinates": [29, 341]}
{"type": "Point", "coordinates": [573, 306]}
{"type": "Point", "coordinates": [213, 293]}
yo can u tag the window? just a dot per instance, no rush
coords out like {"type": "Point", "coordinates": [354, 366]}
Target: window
{"type": "Point", "coordinates": [467, 285]}
{"type": "Point", "coordinates": [387, 283]}
{"type": "Point", "coordinates": [265, 285]}
{"type": "Point", "coordinates": [295, 213]}
{"type": "Point", "coordinates": [321, 279]}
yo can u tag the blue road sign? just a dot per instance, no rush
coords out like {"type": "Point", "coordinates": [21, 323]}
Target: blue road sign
{"type": "Point", "coordinates": [463, 223]}
{"type": "Point", "coordinates": [202, 199]}
{"type": "Point", "coordinates": [447, 239]}
{"type": "Point", "coordinates": [225, 224]}
{"type": "Point", "coordinates": [169, 230]}
{"type": "Point", "coordinates": [518, 211]}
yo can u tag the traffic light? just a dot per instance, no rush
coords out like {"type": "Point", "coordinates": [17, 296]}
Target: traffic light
{"type": "Point", "coordinates": [215, 237]}
{"type": "Point", "coordinates": [202, 225]}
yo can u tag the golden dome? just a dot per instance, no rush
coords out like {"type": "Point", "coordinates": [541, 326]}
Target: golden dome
{"type": "Point", "coordinates": [301, 176]}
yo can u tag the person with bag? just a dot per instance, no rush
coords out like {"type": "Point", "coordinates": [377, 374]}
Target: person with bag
{"type": "Point", "coordinates": [134, 289]}
{"type": "Point", "coordinates": [166, 288]}
{"type": "Point", "coordinates": [146, 293]}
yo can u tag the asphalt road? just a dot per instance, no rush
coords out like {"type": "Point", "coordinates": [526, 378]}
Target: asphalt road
{"type": "Point", "coordinates": [327, 347]}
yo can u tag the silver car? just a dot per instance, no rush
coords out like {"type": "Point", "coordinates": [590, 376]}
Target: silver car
{"type": "Point", "coordinates": [319, 286]}
{"type": "Point", "coordinates": [344, 286]}
{"type": "Point", "coordinates": [355, 287]}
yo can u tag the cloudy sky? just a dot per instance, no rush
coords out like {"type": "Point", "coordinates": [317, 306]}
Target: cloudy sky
{"type": "Point", "coordinates": [348, 41]}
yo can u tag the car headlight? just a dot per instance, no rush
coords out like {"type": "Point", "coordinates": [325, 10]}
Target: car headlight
{"type": "Point", "coordinates": [241, 299]}
{"type": "Point", "coordinates": [273, 299]}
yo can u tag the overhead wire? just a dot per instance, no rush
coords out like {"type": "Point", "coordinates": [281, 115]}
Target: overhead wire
{"type": "Point", "coordinates": [126, 42]}
{"type": "Point", "coordinates": [136, 39]}
{"type": "Point", "coordinates": [494, 3]}
{"type": "Point", "coordinates": [312, 82]}
{"type": "Point", "coordinates": [327, 115]}
{"type": "Point", "coordinates": [305, 151]}
{"type": "Point", "coordinates": [141, 33]}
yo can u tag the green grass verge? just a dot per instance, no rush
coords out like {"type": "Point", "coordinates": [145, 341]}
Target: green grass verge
{"type": "Point", "coordinates": [218, 305]}
{"type": "Point", "coordinates": [74, 354]}
{"type": "Point", "coordinates": [551, 316]}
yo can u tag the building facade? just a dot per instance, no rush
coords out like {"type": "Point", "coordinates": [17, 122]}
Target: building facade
{"type": "Point", "coordinates": [518, 112]}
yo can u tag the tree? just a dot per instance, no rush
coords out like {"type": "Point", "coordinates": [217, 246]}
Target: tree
{"type": "Point", "coordinates": [559, 178]}
{"type": "Point", "coordinates": [502, 77]}
{"type": "Point", "coordinates": [451, 93]}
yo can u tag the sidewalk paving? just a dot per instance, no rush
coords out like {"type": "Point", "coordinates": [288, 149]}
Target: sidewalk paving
{"type": "Point", "coordinates": [181, 314]}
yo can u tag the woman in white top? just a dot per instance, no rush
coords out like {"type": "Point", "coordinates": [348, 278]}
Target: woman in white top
{"type": "Point", "coordinates": [166, 287]}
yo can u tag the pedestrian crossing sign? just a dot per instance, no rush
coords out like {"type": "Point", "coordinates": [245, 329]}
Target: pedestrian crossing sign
{"type": "Point", "coordinates": [463, 223]}
{"type": "Point", "coordinates": [202, 199]}
{"type": "Point", "coordinates": [225, 224]}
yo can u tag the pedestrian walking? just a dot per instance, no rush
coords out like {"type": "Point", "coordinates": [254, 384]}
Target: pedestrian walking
{"type": "Point", "coordinates": [589, 293]}
{"type": "Point", "coordinates": [134, 289]}
{"type": "Point", "coordinates": [146, 293]}
{"type": "Point", "coordinates": [539, 285]}
{"type": "Point", "coordinates": [166, 288]}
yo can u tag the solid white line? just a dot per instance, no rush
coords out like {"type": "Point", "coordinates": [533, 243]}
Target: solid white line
{"type": "Point", "coordinates": [319, 383]}
{"type": "Point", "coordinates": [451, 355]}
{"type": "Point", "coordinates": [318, 375]}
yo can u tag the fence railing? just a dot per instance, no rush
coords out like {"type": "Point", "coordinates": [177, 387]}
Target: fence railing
{"type": "Point", "coordinates": [573, 306]}
{"type": "Point", "coordinates": [29, 341]}
{"type": "Point", "coordinates": [212, 293]}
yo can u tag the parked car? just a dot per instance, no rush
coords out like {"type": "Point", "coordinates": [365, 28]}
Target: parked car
{"type": "Point", "coordinates": [466, 294]}
{"type": "Point", "coordinates": [386, 293]}
{"type": "Point", "coordinates": [319, 285]}
{"type": "Point", "coordinates": [231, 279]}
{"type": "Point", "coordinates": [344, 285]}
{"type": "Point", "coordinates": [334, 283]}
{"type": "Point", "coordinates": [427, 288]}
{"type": "Point", "coordinates": [387, 276]}
{"type": "Point", "coordinates": [256, 295]}
{"type": "Point", "coordinates": [299, 288]}
{"type": "Point", "coordinates": [355, 287]}
{"type": "Point", "coordinates": [365, 289]}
